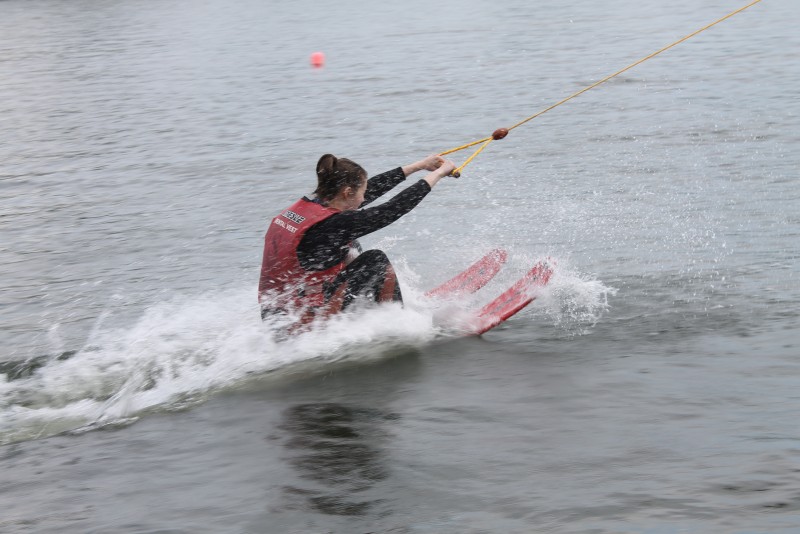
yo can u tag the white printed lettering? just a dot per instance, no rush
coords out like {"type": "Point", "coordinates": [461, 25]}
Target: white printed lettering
{"type": "Point", "coordinates": [289, 227]}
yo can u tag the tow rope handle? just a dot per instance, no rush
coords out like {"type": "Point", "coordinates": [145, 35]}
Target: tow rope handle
{"type": "Point", "coordinates": [498, 134]}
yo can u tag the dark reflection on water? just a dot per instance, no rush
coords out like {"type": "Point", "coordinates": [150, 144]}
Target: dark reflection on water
{"type": "Point", "coordinates": [337, 449]}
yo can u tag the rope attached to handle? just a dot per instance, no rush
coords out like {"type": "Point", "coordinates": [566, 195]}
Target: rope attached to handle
{"type": "Point", "coordinates": [500, 133]}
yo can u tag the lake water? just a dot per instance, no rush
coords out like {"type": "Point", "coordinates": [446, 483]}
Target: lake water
{"type": "Point", "coordinates": [653, 386]}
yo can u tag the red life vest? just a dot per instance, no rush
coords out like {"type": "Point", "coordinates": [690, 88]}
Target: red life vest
{"type": "Point", "coordinates": [284, 284]}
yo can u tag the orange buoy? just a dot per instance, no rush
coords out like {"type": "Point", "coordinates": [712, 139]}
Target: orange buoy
{"type": "Point", "coordinates": [317, 59]}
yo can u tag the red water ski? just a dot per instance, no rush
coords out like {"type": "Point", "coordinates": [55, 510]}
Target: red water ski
{"type": "Point", "coordinates": [512, 300]}
{"type": "Point", "coordinates": [473, 278]}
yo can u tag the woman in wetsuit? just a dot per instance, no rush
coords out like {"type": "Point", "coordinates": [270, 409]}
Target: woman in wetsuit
{"type": "Point", "coordinates": [313, 264]}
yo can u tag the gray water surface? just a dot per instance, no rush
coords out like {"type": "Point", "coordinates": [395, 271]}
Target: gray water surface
{"type": "Point", "coordinates": [652, 387]}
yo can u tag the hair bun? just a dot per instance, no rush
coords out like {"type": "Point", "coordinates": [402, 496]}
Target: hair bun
{"type": "Point", "coordinates": [326, 165]}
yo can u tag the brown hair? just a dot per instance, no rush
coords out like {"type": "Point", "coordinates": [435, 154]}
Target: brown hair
{"type": "Point", "coordinates": [334, 174]}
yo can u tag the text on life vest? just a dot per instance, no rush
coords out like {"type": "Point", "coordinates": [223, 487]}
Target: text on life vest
{"type": "Point", "coordinates": [289, 227]}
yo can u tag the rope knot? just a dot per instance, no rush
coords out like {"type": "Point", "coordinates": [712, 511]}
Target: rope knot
{"type": "Point", "coordinates": [499, 133]}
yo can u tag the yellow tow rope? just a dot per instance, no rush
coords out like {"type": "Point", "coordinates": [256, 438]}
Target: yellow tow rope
{"type": "Point", "coordinates": [502, 132]}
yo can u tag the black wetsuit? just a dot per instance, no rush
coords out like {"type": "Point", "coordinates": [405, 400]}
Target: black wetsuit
{"type": "Point", "coordinates": [328, 242]}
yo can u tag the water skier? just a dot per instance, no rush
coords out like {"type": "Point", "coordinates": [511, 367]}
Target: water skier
{"type": "Point", "coordinates": [313, 264]}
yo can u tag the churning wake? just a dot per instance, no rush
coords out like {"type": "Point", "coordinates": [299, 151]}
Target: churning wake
{"type": "Point", "coordinates": [179, 352]}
